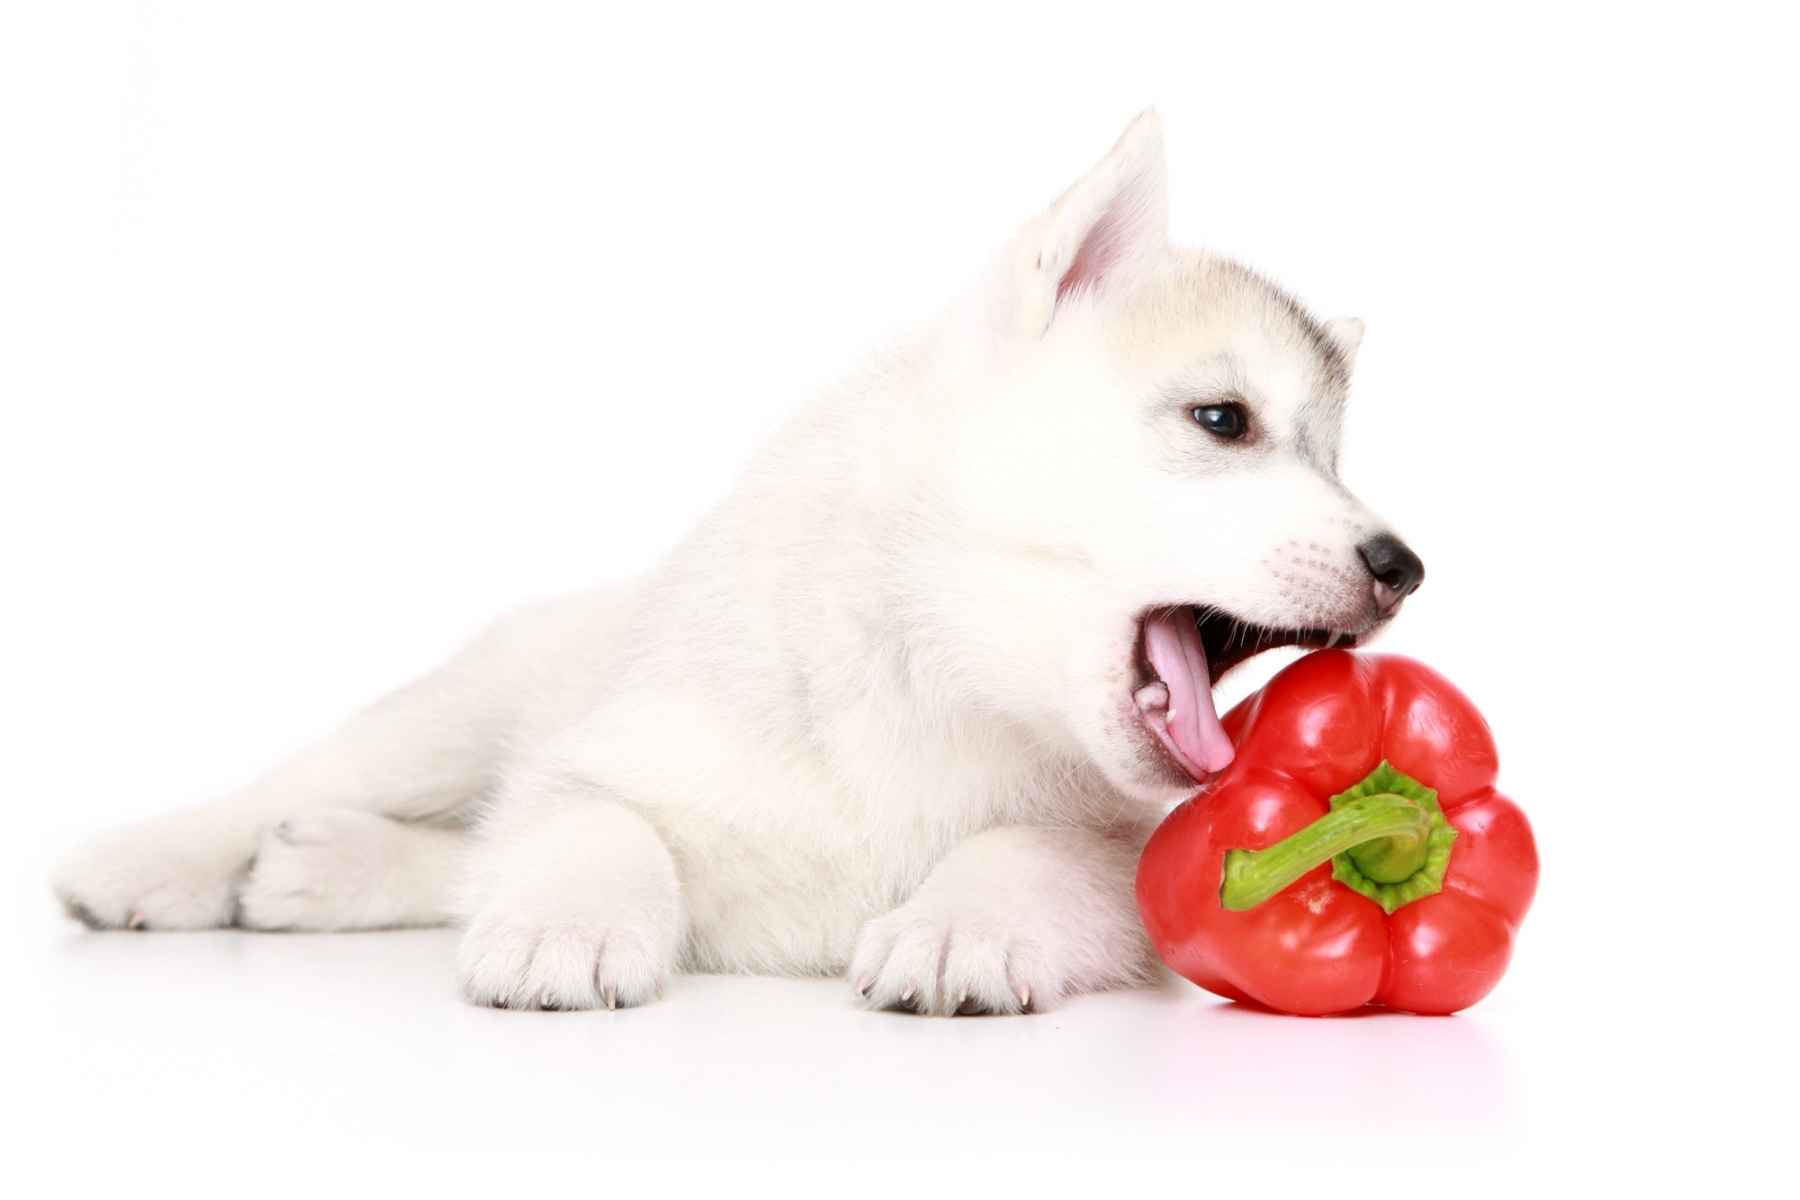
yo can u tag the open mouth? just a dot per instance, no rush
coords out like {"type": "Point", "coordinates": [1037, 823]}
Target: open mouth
{"type": "Point", "coordinates": [1182, 652]}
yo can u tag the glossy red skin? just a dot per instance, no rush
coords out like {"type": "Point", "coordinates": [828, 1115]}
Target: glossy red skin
{"type": "Point", "coordinates": [1318, 947]}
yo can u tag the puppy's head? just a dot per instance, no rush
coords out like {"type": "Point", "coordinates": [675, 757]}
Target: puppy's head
{"type": "Point", "coordinates": [1150, 468]}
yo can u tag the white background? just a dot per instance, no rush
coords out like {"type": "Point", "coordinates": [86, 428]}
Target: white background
{"type": "Point", "coordinates": [329, 329]}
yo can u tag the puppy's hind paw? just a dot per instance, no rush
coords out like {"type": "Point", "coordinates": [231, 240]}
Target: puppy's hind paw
{"type": "Point", "coordinates": [339, 868]}
{"type": "Point", "coordinates": [179, 872]}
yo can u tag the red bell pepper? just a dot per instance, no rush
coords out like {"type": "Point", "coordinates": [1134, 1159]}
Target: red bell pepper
{"type": "Point", "coordinates": [1355, 852]}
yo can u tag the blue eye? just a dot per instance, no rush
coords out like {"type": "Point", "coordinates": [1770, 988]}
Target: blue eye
{"type": "Point", "coordinates": [1226, 421]}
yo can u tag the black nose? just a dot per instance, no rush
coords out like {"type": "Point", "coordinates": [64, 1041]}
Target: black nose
{"type": "Point", "coordinates": [1393, 563]}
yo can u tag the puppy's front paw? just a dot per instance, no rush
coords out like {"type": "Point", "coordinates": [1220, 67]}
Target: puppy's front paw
{"type": "Point", "coordinates": [944, 963]}
{"type": "Point", "coordinates": [562, 961]}
{"type": "Point", "coordinates": [1014, 919]}
{"type": "Point", "coordinates": [580, 910]}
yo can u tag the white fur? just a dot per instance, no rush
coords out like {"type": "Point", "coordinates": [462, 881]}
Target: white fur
{"type": "Point", "coordinates": [346, 868]}
{"type": "Point", "coordinates": [875, 712]}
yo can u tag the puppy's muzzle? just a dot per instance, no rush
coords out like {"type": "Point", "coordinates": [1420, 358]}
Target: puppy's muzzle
{"type": "Point", "coordinates": [1397, 570]}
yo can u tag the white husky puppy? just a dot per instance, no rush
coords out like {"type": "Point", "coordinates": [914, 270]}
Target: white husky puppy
{"type": "Point", "coordinates": [905, 706]}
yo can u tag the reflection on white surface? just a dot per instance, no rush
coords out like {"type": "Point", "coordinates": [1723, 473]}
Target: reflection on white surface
{"type": "Point", "coordinates": [1233, 1062]}
{"type": "Point", "coordinates": [361, 1039]}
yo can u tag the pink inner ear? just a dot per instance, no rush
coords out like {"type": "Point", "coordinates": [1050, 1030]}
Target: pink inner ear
{"type": "Point", "coordinates": [1104, 249]}
{"type": "Point", "coordinates": [1100, 252]}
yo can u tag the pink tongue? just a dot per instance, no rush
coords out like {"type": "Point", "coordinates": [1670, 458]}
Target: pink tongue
{"type": "Point", "coordinates": [1190, 728]}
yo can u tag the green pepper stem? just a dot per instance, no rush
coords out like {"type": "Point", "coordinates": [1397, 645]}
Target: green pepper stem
{"type": "Point", "coordinates": [1253, 876]}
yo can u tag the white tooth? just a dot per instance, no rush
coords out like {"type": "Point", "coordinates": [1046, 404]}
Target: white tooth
{"type": "Point", "coordinates": [1334, 639]}
{"type": "Point", "coordinates": [1152, 697]}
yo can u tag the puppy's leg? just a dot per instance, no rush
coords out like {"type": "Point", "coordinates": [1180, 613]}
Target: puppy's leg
{"type": "Point", "coordinates": [423, 752]}
{"type": "Point", "coordinates": [571, 903]}
{"type": "Point", "coordinates": [1013, 919]}
{"type": "Point", "coordinates": [342, 868]}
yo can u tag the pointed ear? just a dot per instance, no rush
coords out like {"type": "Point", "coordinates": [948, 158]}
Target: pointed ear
{"type": "Point", "coordinates": [1102, 228]}
{"type": "Point", "coordinates": [1346, 333]}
